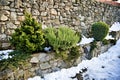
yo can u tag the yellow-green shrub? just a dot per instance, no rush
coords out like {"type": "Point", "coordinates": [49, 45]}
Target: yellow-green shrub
{"type": "Point", "coordinates": [62, 38]}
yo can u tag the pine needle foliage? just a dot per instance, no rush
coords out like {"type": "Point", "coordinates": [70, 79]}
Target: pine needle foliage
{"type": "Point", "coordinates": [62, 38]}
{"type": "Point", "coordinates": [29, 37]}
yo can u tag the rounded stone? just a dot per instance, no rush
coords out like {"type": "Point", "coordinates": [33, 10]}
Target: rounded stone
{"type": "Point", "coordinates": [13, 16]}
{"type": "Point", "coordinates": [34, 60]}
{"type": "Point", "coordinates": [53, 12]}
{"type": "Point", "coordinates": [3, 18]}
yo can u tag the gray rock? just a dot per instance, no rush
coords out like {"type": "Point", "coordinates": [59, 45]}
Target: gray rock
{"type": "Point", "coordinates": [2, 29]}
{"type": "Point", "coordinates": [45, 4]}
{"type": "Point", "coordinates": [13, 16]}
{"type": "Point", "coordinates": [43, 13]}
{"type": "Point", "coordinates": [35, 12]}
{"type": "Point", "coordinates": [42, 57]}
{"type": "Point", "coordinates": [6, 12]}
{"type": "Point", "coordinates": [17, 22]}
{"type": "Point", "coordinates": [83, 24]}
{"type": "Point", "coordinates": [5, 45]}
{"type": "Point", "coordinates": [3, 36]}
{"type": "Point", "coordinates": [34, 60]}
{"type": "Point", "coordinates": [53, 12]}
{"type": "Point", "coordinates": [78, 61]}
{"type": "Point", "coordinates": [10, 25]}
{"type": "Point", "coordinates": [4, 2]}
{"type": "Point", "coordinates": [82, 18]}
{"type": "Point", "coordinates": [73, 1]}
{"type": "Point", "coordinates": [45, 65]}
{"type": "Point", "coordinates": [12, 9]}
{"type": "Point", "coordinates": [12, 5]}
{"type": "Point", "coordinates": [62, 64]}
{"type": "Point", "coordinates": [6, 7]}
{"type": "Point", "coordinates": [54, 69]}
{"type": "Point", "coordinates": [38, 72]}
{"type": "Point", "coordinates": [3, 18]}
{"type": "Point", "coordinates": [9, 32]}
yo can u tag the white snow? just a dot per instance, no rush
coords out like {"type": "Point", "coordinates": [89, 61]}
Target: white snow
{"type": "Point", "coordinates": [85, 40]}
{"type": "Point", "coordinates": [115, 27]}
{"type": "Point", "coordinates": [4, 54]}
{"type": "Point", "coordinates": [108, 37]}
{"type": "Point", "coordinates": [47, 49]}
{"type": "Point", "coordinates": [110, 61]}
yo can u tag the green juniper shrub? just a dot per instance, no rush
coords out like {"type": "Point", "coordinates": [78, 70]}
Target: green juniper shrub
{"type": "Point", "coordinates": [80, 36]}
{"type": "Point", "coordinates": [18, 59]}
{"type": "Point", "coordinates": [29, 37]}
{"type": "Point", "coordinates": [99, 30]}
{"type": "Point", "coordinates": [61, 39]}
{"type": "Point", "coordinates": [105, 42]}
{"type": "Point", "coordinates": [112, 41]}
{"type": "Point", "coordinates": [74, 53]}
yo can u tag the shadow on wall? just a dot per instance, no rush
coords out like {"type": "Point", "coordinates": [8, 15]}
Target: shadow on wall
{"type": "Point", "coordinates": [112, 2]}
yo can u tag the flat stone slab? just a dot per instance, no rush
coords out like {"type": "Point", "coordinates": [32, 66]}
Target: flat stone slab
{"type": "Point", "coordinates": [45, 65]}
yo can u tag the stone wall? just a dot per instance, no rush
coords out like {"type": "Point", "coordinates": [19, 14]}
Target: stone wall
{"type": "Point", "coordinates": [38, 65]}
{"type": "Point", "coordinates": [77, 14]}
{"type": "Point", "coordinates": [43, 63]}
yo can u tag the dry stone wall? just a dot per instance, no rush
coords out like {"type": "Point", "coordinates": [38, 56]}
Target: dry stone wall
{"type": "Point", "coordinates": [77, 14]}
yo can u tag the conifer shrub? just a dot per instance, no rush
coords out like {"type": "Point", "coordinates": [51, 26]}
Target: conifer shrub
{"type": "Point", "coordinates": [100, 30]}
{"type": "Point", "coordinates": [18, 59]}
{"type": "Point", "coordinates": [29, 37]}
{"type": "Point", "coordinates": [74, 53]}
{"type": "Point", "coordinates": [62, 38]}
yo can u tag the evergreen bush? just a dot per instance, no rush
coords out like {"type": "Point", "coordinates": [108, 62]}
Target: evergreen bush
{"type": "Point", "coordinates": [18, 59]}
{"type": "Point", "coordinates": [100, 30]}
{"type": "Point", "coordinates": [62, 38]}
{"type": "Point", "coordinates": [29, 37]}
{"type": "Point", "coordinates": [74, 53]}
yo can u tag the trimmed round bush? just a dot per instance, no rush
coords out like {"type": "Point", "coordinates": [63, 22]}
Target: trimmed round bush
{"type": "Point", "coordinates": [29, 37]}
{"type": "Point", "coordinates": [100, 30]}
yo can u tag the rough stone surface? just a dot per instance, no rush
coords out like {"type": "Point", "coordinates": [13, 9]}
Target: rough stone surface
{"type": "Point", "coordinates": [4, 2]}
{"type": "Point", "coordinates": [53, 11]}
{"type": "Point", "coordinates": [13, 16]}
{"type": "Point", "coordinates": [3, 18]}
{"type": "Point", "coordinates": [34, 60]}
{"type": "Point", "coordinates": [10, 25]}
{"type": "Point", "coordinates": [5, 45]}
{"type": "Point", "coordinates": [45, 65]}
{"type": "Point", "coordinates": [2, 37]}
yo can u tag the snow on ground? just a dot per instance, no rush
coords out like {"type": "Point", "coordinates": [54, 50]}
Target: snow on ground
{"type": "Point", "coordinates": [85, 40]}
{"type": "Point", "coordinates": [115, 27]}
{"type": "Point", "coordinates": [105, 67]}
{"type": "Point", "coordinates": [108, 37]}
{"type": "Point", "coordinates": [4, 54]}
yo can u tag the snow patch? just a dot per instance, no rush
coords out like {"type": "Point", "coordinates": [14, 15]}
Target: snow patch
{"type": "Point", "coordinates": [85, 40]}
{"type": "Point", "coordinates": [108, 37]}
{"type": "Point", "coordinates": [5, 54]}
{"type": "Point", "coordinates": [115, 27]}
{"type": "Point", "coordinates": [105, 67]}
